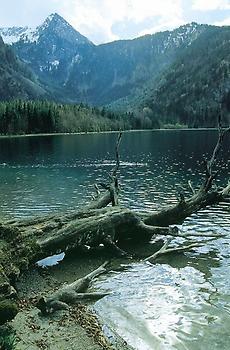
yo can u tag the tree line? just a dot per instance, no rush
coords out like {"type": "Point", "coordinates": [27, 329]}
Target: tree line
{"type": "Point", "coordinates": [32, 117]}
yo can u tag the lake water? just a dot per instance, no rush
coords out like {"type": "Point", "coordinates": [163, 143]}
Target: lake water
{"type": "Point", "coordinates": [181, 302]}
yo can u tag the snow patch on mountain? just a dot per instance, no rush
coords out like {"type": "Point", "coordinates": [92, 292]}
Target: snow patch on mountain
{"type": "Point", "coordinates": [55, 63]}
{"type": "Point", "coordinates": [54, 23]}
{"type": "Point", "coordinates": [184, 34]}
{"type": "Point", "coordinates": [76, 59]}
{"type": "Point", "coordinates": [14, 34]}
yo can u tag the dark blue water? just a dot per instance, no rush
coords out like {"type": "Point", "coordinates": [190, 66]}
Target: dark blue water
{"type": "Point", "coordinates": [182, 302]}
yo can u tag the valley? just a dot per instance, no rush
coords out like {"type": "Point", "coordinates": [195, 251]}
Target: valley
{"type": "Point", "coordinates": [149, 76]}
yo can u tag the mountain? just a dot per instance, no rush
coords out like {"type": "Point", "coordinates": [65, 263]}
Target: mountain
{"type": "Point", "coordinates": [74, 69]}
{"type": "Point", "coordinates": [173, 76]}
{"type": "Point", "coordinates": [16, 80]}
{"type": "Point", "coordinates": [115, 70]}
{"type": "Point", "coordinates": [49, 50]}
{"type": "Point", "coordinates": [54, 24]}
{"type": "Point", "coordinates": [196, 86]}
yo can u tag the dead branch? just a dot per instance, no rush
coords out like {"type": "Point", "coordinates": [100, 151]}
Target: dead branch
{"type": "Point", "coordinates": [112, 188]}
{"type": "Point", "coordinates": [117, 156]}
{"type": "Point", "coordinates": [226, 191]}
{"type": "Point", "coordinates": [161, 251]}
{"type": "Point", "coordinates": [71, 293]}
{"type": "Point", "coordinates": [165, 250]}
{"type": "Point", "coordinates": [210, 173]}
{"type": "Point", "coordinates": [191, 187]}
{"type": "Point", "coordinates": [204, 197]}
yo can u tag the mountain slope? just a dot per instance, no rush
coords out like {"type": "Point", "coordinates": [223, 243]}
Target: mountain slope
{"type": "Point", "coordinates": [49, 50]}
{"type": "Point", "coordinates": [193, 89]}
{"type": "Point", "coordinates": [75, 70]}
{"type": "Point", "coordinates": [16, 81]}
{"type": "Point", "coordinates": [111, 71]}
{"type": "Point", "coordinates": [175, 76]}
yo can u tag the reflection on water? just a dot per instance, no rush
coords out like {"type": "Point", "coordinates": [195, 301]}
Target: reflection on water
{"type": "Point", "coordinates": [169, 308]}
{"type": "Point", "coordinates": [182, 302]}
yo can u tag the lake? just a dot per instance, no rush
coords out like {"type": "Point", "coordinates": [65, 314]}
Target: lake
{"type": "Point", "coordinates": [182, 302]}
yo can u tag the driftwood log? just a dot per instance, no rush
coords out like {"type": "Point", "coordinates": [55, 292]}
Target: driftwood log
{"type": "Point", "coordinates": [24, 242]}
{"type": "Point", "coordinates": [71, 293]}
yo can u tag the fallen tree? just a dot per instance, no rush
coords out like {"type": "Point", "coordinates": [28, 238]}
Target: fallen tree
{"type": "Point", "coordinates": [25, 241]}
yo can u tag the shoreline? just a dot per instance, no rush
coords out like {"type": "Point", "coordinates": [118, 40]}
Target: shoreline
{"type": "Point", "coordinates": [77, 328]}
{"type": "Point", "coordinates": [105, 132]}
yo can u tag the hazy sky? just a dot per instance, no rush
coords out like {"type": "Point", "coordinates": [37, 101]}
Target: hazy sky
{"type": "Point", "coordinates": [107, 20]}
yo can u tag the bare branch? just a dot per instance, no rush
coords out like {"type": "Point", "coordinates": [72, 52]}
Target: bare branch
{"type": "Point", "coordinates": [112, 188]}
{"type": "Point", "coordinates": [158, 230]}
{"type": "Point", "coordinates": [71, 293]}
{"type": "Point", "coordinates": [210, 174]}
{"type": "Point", "coordinates": [98, 192]}
{"type": "Point", "coordinates": [191, 186]}
{"type": "Point", "coordinates": [114, 171]}
{"type": "Point", "coordinates": [162, 250]}
{"type": "Point", "coordinates": [185, 248]}
{"type": "Point", "coordinates": [226, 190]}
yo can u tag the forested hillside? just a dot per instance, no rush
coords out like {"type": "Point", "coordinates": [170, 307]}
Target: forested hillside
{"type": "Point", "coordinates": [120, 69]}
{"type": "Point", "coordinates": [75, 70]}
{"type": "Point", "coordinates": [20, 117]}
{"type": "Point", "coordinates": [16, 80]}
{"type": "Point", "coordinates": [173, 77]}
{"type": "Point", "coordinates": [196, 87]}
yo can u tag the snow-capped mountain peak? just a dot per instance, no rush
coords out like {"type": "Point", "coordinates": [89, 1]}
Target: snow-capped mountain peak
{"type": "Point", "coordinates": [53, 23]}
{"type": "Point", "coordinates": [53, 16]}
{"type": "Point", "coordinates": [53, 20]}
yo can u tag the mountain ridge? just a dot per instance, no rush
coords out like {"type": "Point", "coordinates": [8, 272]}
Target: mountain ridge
{"type": "Point", "coordinates": [124, 74]}
{"type": "Point", "coordinates": [71, 67]}
{"type": "Point", "coordinates": [12, 35]}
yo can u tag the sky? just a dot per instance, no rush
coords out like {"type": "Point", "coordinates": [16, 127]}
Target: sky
{"type": "Point", "coordinates": [107, 20]}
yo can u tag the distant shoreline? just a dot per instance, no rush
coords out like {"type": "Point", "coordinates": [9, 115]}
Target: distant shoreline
{"type": "Point", "coordinates": [103, 132]}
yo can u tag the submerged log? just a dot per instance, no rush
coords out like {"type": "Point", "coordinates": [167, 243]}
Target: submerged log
{"type": "Point", "coordinates": [25, 241]}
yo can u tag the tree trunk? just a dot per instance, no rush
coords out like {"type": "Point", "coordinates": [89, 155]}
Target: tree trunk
{"type": "Point", "coordinates": [26, 241]}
